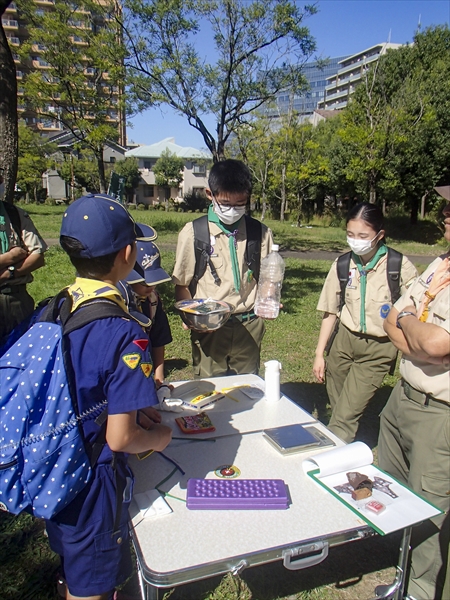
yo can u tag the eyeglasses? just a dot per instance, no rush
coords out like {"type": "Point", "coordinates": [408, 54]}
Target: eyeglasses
{"type": "Point", "coordinates": [225, 203]}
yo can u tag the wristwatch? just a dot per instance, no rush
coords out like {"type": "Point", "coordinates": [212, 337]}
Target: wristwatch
{"type": "Point", "coordinates": [12, 271]}
{"type": "Point", "coordinates": [404, 313]}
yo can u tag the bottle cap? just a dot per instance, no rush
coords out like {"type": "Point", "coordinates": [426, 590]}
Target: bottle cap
{"type": "Point", "coordinates": [275, 247]}
{"type": "Point", "coordinates": [272, 365]}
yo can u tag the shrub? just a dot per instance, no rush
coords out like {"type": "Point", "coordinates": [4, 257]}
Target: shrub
{"type": "Point", "coordinates": [50, 202]}
{"type": "Point", "coordinates": [195, 201]}
{"type": "Point", "coordinates": [142, 207]}
{"type": "Point", "coordinates": [131, 206]}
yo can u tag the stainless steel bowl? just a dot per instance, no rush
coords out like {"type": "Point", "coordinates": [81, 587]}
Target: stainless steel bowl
{"type": "Point", "coordinates": [204, 314]}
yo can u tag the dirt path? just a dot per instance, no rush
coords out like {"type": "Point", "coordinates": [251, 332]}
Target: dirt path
{"type": "Point", "coordinates": [299, 254]}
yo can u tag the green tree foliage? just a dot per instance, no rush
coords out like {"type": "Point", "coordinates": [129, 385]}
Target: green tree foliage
{"type": "Point", "coordinates": [34, 159]}
{"type": "Point", "coordinates": [129, 170]}
{"type": "Point", "coordinates": [78, 46]}
{"type": "Point", "coordinates": [257, 49]}
{"type": "Point", "coordinates": [8, 112]}
{"type": "Point", "coordinates": [81, 172]}
{"type": "Point", "coordinates": [393, 142]}
{"type": "Point", "coordinates": [168, 170]}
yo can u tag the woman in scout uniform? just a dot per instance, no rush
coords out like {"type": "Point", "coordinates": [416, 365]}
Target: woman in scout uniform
{"type": "Point", "coordinates": [361, 353]}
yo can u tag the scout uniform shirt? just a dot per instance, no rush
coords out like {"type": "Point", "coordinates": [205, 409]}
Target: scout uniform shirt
{"type": "Point", "coordinates": [378, 295]}
{"type": "Point", "coordinates": [32, 242]}
{"type": "Point", "coordinates": [184, 269]}
{"type": "Point", "coordinates": [425, 377]}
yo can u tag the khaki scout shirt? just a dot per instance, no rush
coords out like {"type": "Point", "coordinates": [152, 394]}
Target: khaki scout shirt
{"type": "Point", "coordinates": [184, 269]}
{"type": "Point", "coordinates": [32, 242]}
{"type": "Point", "coordinates": [378, 295]}
{"type": "Point", "coordinates": [425, 377]}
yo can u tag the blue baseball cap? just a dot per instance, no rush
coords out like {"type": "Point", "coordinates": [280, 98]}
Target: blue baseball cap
{"type": "Point", "coordinates": [100, 223]}
{"type": "Point", "coordinates": [145, 232]}
{"type": "Point", "coordinates": [147, 269]}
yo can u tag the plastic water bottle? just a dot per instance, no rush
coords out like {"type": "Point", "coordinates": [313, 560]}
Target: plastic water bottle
{"type": "Point", "coordinates": [268, 295]}
{"type": "Point", "coordinates": [272, 380]}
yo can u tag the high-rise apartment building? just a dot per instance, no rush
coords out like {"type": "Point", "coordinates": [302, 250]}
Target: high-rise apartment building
{"type": "Point", "coordinates": [17, 28]}
{"type": "Point", "coordinates": [317, 74]}
{"type": "Point", "coordinates": [350, 73]}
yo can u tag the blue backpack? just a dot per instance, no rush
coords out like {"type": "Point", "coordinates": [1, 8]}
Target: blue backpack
{"type": "Point", "coordinates": [45, 460]}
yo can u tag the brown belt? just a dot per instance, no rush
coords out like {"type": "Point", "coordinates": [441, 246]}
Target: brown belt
{"type": "Point", "coordinates": [421, 397]}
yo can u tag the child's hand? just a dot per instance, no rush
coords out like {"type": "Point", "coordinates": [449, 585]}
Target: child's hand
{"type": "Point", "coordinates": [148, 417]}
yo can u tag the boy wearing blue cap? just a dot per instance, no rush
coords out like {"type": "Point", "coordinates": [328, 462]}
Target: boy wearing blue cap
{"type": "Point", "coordinates": [142, 280]}
{"type": "Point", "coordinates": [111, 360]}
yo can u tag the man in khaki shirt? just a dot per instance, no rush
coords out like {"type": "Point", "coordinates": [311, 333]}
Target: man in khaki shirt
{"type": "Point", "coordinates": [235, 347]}
{"type": "Point", "coordinates": [414, 442]}
{"type": "Point", "coordinates": [20, 255]}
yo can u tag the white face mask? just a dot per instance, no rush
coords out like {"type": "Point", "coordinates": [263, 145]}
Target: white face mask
{"type": "Point", "coordinates": [360, 247]}
{"type": "Point", "coordinates": [228, 214]}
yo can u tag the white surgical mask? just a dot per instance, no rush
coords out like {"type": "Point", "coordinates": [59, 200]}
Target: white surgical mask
{"type": "Point", "coordinates": [360, 247]}
{"type": "Point", "coordinates": [228, 214]}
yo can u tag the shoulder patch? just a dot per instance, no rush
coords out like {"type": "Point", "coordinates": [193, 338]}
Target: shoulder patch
{"type": "Point", "coordinates": [142, 344]}
{"type": "Point", "coordinates": [132, 360]}
{"type": "Point", "coordinates": [146, 369]}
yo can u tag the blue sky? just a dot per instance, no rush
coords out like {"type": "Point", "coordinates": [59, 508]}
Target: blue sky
{"type": "Point", "coordinates": [340, 27]}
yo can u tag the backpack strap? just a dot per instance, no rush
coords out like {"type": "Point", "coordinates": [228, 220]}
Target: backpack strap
{"type": "Point", "coordinates": [394, 267]}
{"type": "Point", "coordinates": [253, 246]}
{"type": "Point", "coordinates": [343, 268]}
{"type": "Point", "coordinates": [202, 253]}
{"type": "Point", "coordinates": [14, 217]}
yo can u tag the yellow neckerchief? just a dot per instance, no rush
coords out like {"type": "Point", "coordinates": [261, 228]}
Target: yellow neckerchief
{"type": "Point", "coordinates": [88, 289]}
{"type": "Point", "coordinates": [439, 281]}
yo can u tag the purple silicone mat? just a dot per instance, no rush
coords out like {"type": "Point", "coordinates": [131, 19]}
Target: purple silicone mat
{"type": "Point", "coordinates": [236, 494]}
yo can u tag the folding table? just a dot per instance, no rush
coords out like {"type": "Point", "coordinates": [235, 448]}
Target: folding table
{"type": "Point", "coordinates": [187, 545]}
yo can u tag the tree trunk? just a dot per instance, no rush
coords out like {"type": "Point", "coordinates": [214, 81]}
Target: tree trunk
{"type": "Point", "coordinates": [372, 194]}
{"type": "Point", "coordinates": [101, 171]}
{"type": "Point", "coordinates": [414, 210]}
{"type": "Point", "coordinates": [283, 192]}
{"type": "Point", "coordinates": [264, 206]}
{"type": "Point", "coordinates": [422, 205]}
{"type": "Point", "coordinates": [8, 113]}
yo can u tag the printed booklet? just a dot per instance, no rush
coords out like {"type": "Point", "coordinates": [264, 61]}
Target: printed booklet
{"type": "Point", "coordinates": [383, 502]}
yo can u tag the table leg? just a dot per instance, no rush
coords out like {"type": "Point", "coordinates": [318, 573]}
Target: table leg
{"type": "Point", "coordinates": [395, 590]}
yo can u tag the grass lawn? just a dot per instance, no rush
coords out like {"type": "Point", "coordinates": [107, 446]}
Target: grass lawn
{"type": "Point", "coordinates": [28, 567]}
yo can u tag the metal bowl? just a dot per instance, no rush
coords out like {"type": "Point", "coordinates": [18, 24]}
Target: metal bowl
{"type": "Point", "coordinates": [204, 314]}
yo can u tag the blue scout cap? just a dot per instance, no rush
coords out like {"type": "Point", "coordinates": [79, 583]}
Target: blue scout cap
{"type": "Point", "coordinates": [146, 233]}
{"type": "Point", "coordinates": [100, 223]}
{"type": "Point", "coordinates": [147, 269]}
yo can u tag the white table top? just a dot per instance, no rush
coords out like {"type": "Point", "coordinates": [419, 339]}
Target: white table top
{"type": "Point", "coordinates": [186, 538]}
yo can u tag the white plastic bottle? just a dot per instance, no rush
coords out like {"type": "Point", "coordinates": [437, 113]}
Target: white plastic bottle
{"type": "Point", "coordinates": [268, 295]}
{"type": "Point", "coordinates": [272, 380]}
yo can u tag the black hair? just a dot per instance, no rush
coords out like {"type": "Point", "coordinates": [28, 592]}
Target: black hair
{"type": "Point", "coordinates": [90, 268]}
{"type": "Point", "coordinates": [232, 176]}
{"type": "Point", "coordinates": [369, 213]}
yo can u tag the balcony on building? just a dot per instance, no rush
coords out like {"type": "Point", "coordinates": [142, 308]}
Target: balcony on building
{"type": "Point", "coordinates": [10, 24]}
{"type": "Point", "coordinates": [14, 41]}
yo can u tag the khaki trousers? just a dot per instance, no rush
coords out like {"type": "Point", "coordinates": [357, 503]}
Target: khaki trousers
{"type": "Point", "coordinates": [355, 369]}
{"type": "Point", "coordinates": [234, 349]}
{"type": "Point", "coordinates": [414, 447]}
{"type": "Point", "coordinates": [15, 306]}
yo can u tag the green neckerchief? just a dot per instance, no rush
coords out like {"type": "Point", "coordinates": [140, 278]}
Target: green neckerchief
{"type": "Point", "coordinates": [363, 270]}
{"type": "Point", "coordinates": [232, 242]}
{"type": "Point", "coordinates": [3, 235]}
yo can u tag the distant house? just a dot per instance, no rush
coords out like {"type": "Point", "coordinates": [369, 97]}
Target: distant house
{"type": "Point", "coordinates": [195, 174]}
{"type": "Point", "coordinates": [56, 187]}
